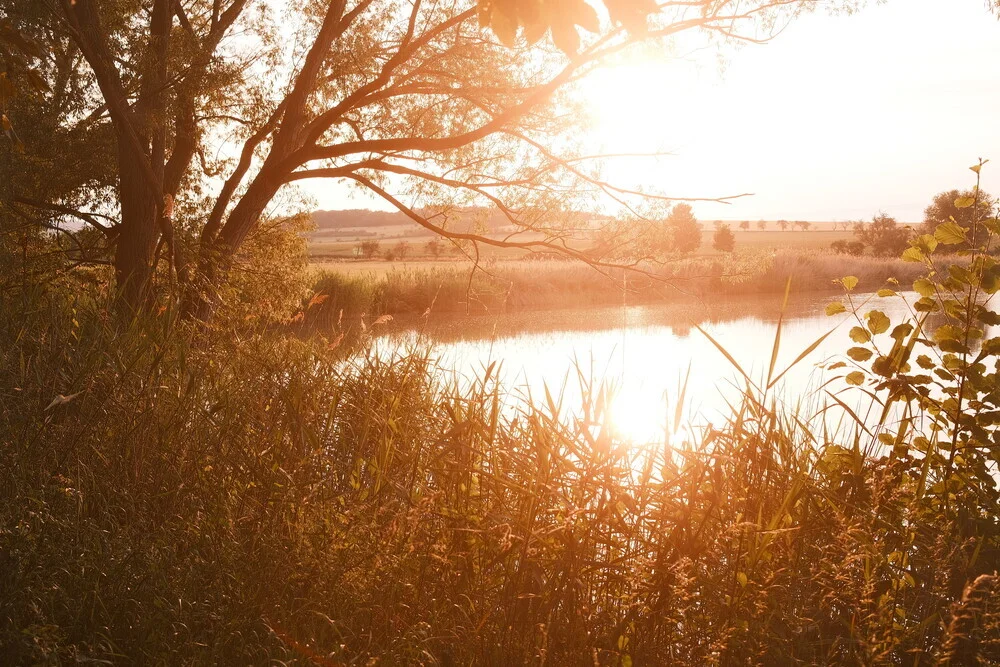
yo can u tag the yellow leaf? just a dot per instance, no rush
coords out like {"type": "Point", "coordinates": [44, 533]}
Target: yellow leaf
{"type": "Point", "coordinates": [950, 233]}
{"type": "Point", "coordinates": [859, 353]}
{"type": "Point", "coordinates": [859, 335]}
{"type": "Point", "coordinates": [849, 282]}
{"type": "Point", "coordinates": [855, 378]}
{"type": "Point", "coordinates": [835, 308]}
{"type": "Point", "coordinates": [741, 577]}
{"type": "Point", "coordinates": [923, 287]}
{"type": "Point", "coordinates": [964, 202]}
{"type": "Point", "coordinates": [878, 322]}
{"type": "Point", "coordinates": [913, 255]}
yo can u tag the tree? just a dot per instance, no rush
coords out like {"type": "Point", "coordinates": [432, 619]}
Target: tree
{"type": "Point", "coordinates": [684, 230]}
{"type": "Point", "coordinates": [398, 251]}
{"type": "Point", "coordinates": [783, 224]}
{"type": "Point", "coordinates": [723, 239]}
{"type": "Point", "coordinates": [433, 248]}
{"type": "Point", "coordinates": [384, 94]}
{"type": "Point", "coordinates": [803, 225]}
{"type": "Point", "coordinates": [369, 248]}
{"type": "Point", "coordinates": [945, 207]}
{"type": "Point", "coordinates": [885, 236]}
{"type": "Point", "coordinates": [762, 225]}
{"type": "Point", "coordinates": [745, 226]}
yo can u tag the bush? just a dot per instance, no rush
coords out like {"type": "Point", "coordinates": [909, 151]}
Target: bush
{"type": "Point", "coordinates": [723, 239]}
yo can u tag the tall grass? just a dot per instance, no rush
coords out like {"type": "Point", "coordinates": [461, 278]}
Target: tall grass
{"type": "Point", "coordinates": [520, 286]}
{"type": "Point", "coordinates": [239, 496]}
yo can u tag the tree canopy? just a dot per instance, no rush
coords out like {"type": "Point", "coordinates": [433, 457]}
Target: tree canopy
{"type": "Point", "coordinates": [173, 126]}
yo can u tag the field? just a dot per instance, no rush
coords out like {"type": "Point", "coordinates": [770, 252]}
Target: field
{"type": "Point", "coordinates": [324, 247]}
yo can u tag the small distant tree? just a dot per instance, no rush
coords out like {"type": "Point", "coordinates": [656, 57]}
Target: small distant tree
{"type": "Point", "coordinates": [960, 205]}
{"type": "Point", "coordinates": [884, 235]}
{"type": "Point", "coordinates": [803, 225]}
{"type": "Point", "coordinates": [683, 227]}
{"type": "Point", "coordinates": [723, 239]}
{"type": "Point", "coordinates": [762, 225]}
{"type": "Point", "coordinates": [745, 226]}
{"type": "Point", "coordinates": [398, 251]}
{"type": "Point", "coordinates": [434, 248]}
{"type": "Point", "coordinates": [369, 248]}
{"type": "Point", "coordinates": [783, 224]}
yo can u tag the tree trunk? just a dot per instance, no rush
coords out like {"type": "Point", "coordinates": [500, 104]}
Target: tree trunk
{"type": "Point", "coordinates": [139, 230]}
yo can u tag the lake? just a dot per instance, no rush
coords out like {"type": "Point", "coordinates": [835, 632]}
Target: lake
{"type": "Point", "coordinates": [651, 357]}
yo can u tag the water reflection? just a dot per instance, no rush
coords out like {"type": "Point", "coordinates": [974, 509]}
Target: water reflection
{"type": "Point", "coordinates": [653, 357]}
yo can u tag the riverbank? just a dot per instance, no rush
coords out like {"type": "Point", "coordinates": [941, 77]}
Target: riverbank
{"type": "Point", "coordinates": [450, 288]}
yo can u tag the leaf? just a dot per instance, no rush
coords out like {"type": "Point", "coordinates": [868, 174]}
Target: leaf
{"type": "Point", "coordinates": [878, 322]}
{"type": "Point", "coordinates": [913, 255]}
{"type": "Point", "coordinates": [503, 21]}
{"type": "Point", "coordinates": [855, 378]}
{"type": "Point", "coordinates": [859, 353]}
{"type": "Point", "coordinates": [835, 308]}
{"type": "Point", "coordinates": [976, 167]}
{"type": "Point", "coordinates": [950, 233]}
{"type": "Point", "coordinates": [565, 36]}
{"type": "Point", "coordinates": [584, 16]}
{"type": "Point", "coordinates": [849, 282]}
{"type": "Point", "coordinates": [965, 202]}
{"type": "Point", "coordinates": [860, 335]}
{"type": "Point", "coordinates": [885, 291]}
{"type": "Point", "coordinates": [741, 577]}
{"type": "Point", "coordinates": [925, 362]}
{"type": "Point", "coordinates": [923, 287]}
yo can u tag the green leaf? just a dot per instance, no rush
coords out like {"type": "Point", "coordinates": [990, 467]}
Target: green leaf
{"type": "Point", "coordinates": [923, 287]}
{"type": "Point", "coordinates": [849, 282]}
{"type": "Point", "coordinates": [950, 233]}
{"type": "Point", "coordinates": [913, 255]}
{"type": "Point", "coordinates": [835, 308]}
{"type": "Point", "coordinates": [860, 335]}
{"type": "Point", "coordinates": [859, 353]}
{"type": "Point", "coordinates": [878, 322]}
{"type": "Point", "coordinates": [855, 378]}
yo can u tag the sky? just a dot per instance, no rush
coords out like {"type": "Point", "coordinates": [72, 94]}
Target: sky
{"type": "Point", "coordinates": [836, 118]}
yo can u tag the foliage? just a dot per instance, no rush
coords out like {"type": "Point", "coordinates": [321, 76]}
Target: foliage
{"type": "Point", "coordinates": [238, 494]}
{"type": "Point", "coordinates": [366, 96]}
{"type": "Point", "coordinates": [945, 207]}
{"type": "Point", "coordinates": [369, 248]}
{"type": "Point", "coordinates": [723, 239]}
{"type": "Point", "coordinates": [683, 229]}
{"type": "Point", "coordinates": [844, 247]}
{"type": "Point", "coordinates": [885, 236]}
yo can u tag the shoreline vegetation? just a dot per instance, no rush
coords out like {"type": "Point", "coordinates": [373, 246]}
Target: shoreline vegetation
{"type": "Point", "coordinates": [447, 287]}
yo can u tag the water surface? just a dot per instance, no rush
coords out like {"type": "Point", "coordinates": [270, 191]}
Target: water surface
{"type": "Point", "coordinates": [652, 356]}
